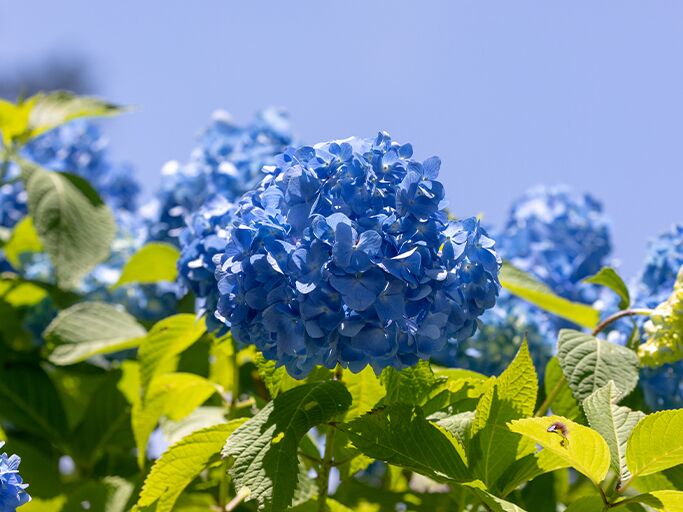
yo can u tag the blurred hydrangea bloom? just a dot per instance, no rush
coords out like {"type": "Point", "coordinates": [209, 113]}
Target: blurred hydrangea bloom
{"type": "Point", "coordinates": [560, 237]}
{"type": "Point", "coordinates": [344, 254]}
{"type": "Point", "coordinates": [12, 488]}
{"type": "Point", "coordinates": [663, 386]}
{"type": "Point", "coordinates": [79, 147]}
{"type": "Point", "coordinates": [227, 161]}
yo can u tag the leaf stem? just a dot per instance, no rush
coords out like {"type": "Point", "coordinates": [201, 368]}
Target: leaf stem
{"type": "Point", "coordinates": [325, 466]}
{"type": "Point", "coordinates": [620, 314]}
{"type": "Point", "coordinates": [543, 408]}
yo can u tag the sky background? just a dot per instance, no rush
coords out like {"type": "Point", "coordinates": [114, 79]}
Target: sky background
{"type": "Point", "coordinates": [508, 94]}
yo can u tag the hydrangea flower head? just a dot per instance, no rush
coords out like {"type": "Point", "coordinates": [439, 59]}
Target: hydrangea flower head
{"type": "Point", "coordinates": [12, 488]}
{"type": "Point", "coordinates": [344, 254]}
{"type": "Point", "coordinates": [227, 162]}
{"type": "Point", "coordinates": [79, 147]}
{"type": "Point", "coordinates": [664, 259]}
{"type": "Point", "coordinates": [559, 236]}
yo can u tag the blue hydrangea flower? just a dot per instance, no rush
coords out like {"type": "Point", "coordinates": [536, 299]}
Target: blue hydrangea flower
{"type": "Point", "coordinates": [344, 254]}
{"type": "Point", "coordinates": [79, 147]}
{"type": "Point", "coordinates": [226, 162]}
{"type": "Point", "coordinates": [12, 488]}
{"type": "Point", "coordinates": [559, 236]}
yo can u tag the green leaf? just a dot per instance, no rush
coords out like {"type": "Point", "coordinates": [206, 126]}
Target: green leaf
{"type": "Point", "coordinates": [265, 448]}
{"type": "Point", "coordinates": [30, 401]}
{"type": "Point", "coordinates": [59, 107]}
{"type": "Point", "coordinates": [275, 378]}
{"type": "Point", "coordinates": [587, 504]}
{"type": "Point", "coordinates": [400, 435]}
{"type": "Point", "coordinates": [562, 400]}
{"type": "Point", "coordinates": [527, 468]}
{"type": "Point", "coordinates": [459, 425]}
{"type": "Point", "coordinates": [528, 288]}
{"type": "Point", "coordinates": [656, 443]}
{"type": "Point", "coordinates": [88, 329]}
{"type": "Point", "coordinates": [74, 225]}
{"type": "Point", "coordinates": [494, 447]}
{"type": "Point", "coordinates": [666, 500]}
{"type": "Point", "coordinates": [14, 120]}
{"type": "Point", "coordinates": [181, 464]}
{"type": "Point", "coordinates": [24, 239]}
{"type": "Point", "coordinates": [583, 449]}
{"type": "Point", "coordinates": [493, 503]}
{"type": "Point", "coordinates": [155, 262]}
{"type": "Point", "coordinates": [174, 395]}
{"type": "Point", "coordinates": [110, 494]}
{"type": "Point", "coordinates": [366, 391]}
{"type": "Point", "coordinates": [589, 363]}
{"type": "Point", "coordinates": [614, 423]}
{"type": "Point", "coordinates": [412, 386]}
{"type": "Point", "coordinates": [608, 277]}
{"type": "Point", "coordinates": [201, 417]}
{"type": "Point", "coordinates": [166, 340]}
{"type": "Point", "coordinates": [17, 293]}
{"type": "Point", "coordinates": [105, 425]}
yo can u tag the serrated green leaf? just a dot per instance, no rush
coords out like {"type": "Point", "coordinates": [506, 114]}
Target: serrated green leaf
{"type": "Point", "coordinates": [513, 395]}
{"type": "Point", "coordinates": [492, 502]}
{"type": "Point", "coordinates": [174, 395]}
{"type": "Point", "coordinates": [459, 425]}
{"type": "Point", "coordinates": [265, 448]}
{"type": "Point", "coordinates": [275, 378]}
{"type": "Point", "coordinates": [411, 386]}
{"type": "Point", "coordinates": [164, 342]}
{"type": "Point", "coordinates": [400, 435]}
{"type": "Point", "coordinates": [201, 417]}
{"type": "Point", "coordinates": [608, 277]}
{"type": "Point", "coordinates": [56, 108]}
{"type": "Point", "coordinates": [665, 500]}
{"type": "Point", "coordinates": [583, 449]}
{"type": "Point", "coordinates": [24, 239]}
{"type": "Point", "coordinates": [614, 423]}
{"type": "Point", "coordinates": [589, 363]}
{"type": "Point", "coordinates": [181, 464]}
{"type": "Point", "coordinates": [88, 329]}
{"type": "Point", "coordinates": [562, 401]}
{"type": "Point", "coordinates": [525, 286]}
{"type": "Point", "coordinates": [587, 504]}
{"type": "Point", "coordinates": [75, 227]}
{"type": "Point", "coordinates": [656, 443]}
{"type": "Point", "coordinates": [154, 263]}
{"type": "Point", "coordinates": [29, 400]}
{"type": "Point", "coordinates": [527, 468]}
{"type": "Point", "coordinates": [366, 391]}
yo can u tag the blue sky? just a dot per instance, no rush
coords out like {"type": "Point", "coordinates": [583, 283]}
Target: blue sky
{"type": "Point", "coordinates": [508, 94]}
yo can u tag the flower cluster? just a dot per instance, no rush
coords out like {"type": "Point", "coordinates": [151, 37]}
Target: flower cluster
{"type": "Point", "coordinates": [344, 254]}
{"type": "Point", "coordinates": [226, 162]}
{"type": "Point", "coordinates": [560, 237]}
{"type": "Point", "coordinates": [80, 148]}
{"type": "Point", "coordinates": [12, 488]}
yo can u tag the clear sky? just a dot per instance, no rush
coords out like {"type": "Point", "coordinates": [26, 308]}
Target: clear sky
{"type": "Point", "coordinates": [508, 93]}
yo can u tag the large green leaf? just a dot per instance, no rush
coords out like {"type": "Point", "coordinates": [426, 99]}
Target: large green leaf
{"type": "Point", "coordinates": [24, 239]}
{"type": "Point", "coordinates": [412, 386]}
{"type": "Point", "coordinates": [494, 447]}
{"type": "Point", "coordinates": [201, 417]}
{"type": "Point", "coordinates": [181, 464]}
{"type": "Point", "coordinates": [665, 500]}
{"type": "Point", "coordinates": [612, 422]}
{"type": "Point", "coordinates": [608, 277]}
{"type": "Point", "coordinates": [492, 502]}
{"type": "Point", "coordinates": [366, 390]}
{"type": "Point", "coordinates": [275, 378]}
{"type": "Point", "coordinates": [59, 107]}
{"type": "Point", "coordinates": [656, 443]}
{"type": "Point", "coordinates": [74, 225]}
{"type": "Point", "coordinates": [589, 363]}
{"type": "Point", "coordinates": [165, 341]}
{"type": "Point", "coordinates": [527, 468]}
{"type": "Point", "coordinates": [29, 400]}
{"type": "Point", "coordinates": [174, 395]}
{"type": "Point", "coordinates": [265, 448]}
{"type": "Point", "coordinates": [400, 435]}
{"type": "Point", "coordinates": [155, 262]}
{"type": "Point", "coordinates": [528, 288]}
{"type": "Point", "coordinates": [583, 449]}
{"type": "Point", "coordinates": [88, 329]}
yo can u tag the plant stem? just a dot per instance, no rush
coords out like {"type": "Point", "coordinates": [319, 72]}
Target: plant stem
{"type": "Point", "coordinates": [543, 408]}
{"type": "Point", "coordinates": [234, 503]}
{"type": "Point", "coordinates": [620, 314]}
{"type": "Point", "coordinates": [223, 487]}
{"type": "Point", "coordinates": [324, 473]}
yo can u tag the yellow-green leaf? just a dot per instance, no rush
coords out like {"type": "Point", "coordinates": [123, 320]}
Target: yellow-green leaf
{"type": "Point", "coordinates": [666, 501]}
{"type": "Point", "coordinates": [24, 239]}
{"type": "Point", "coordinates": [155, 262]}
{"type": "Point", "coordinates": [583, 448]}
{"type": "Point", "coordinates": [656, 443]}
{"type": "Point", "coordinates": [366, 391]}
{"type": "Point", "coordinates": [608, 277]}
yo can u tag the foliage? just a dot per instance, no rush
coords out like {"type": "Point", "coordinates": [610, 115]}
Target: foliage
{"type": "Point", "coordinates": [119, 391]}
